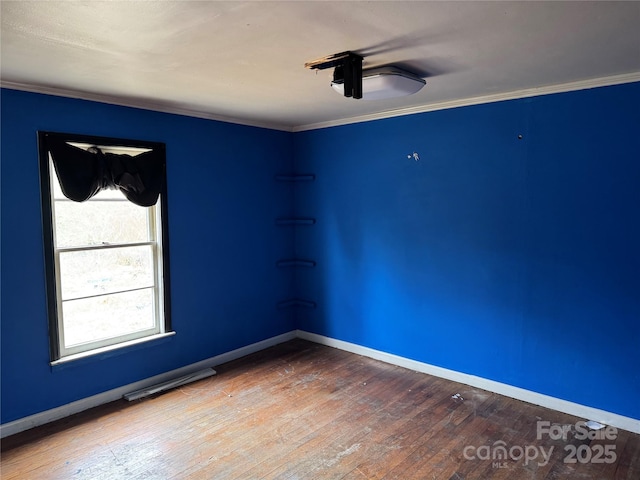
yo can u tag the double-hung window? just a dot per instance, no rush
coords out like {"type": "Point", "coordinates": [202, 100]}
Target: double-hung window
{"type": "Point", "coordinates": [105, 225]}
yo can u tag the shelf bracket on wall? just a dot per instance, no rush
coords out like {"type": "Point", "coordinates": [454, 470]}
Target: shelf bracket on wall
{"type": "Point", "coordinates": [297, 302]}
{"type": "Point", "coordinates": [295, 221]}
{"type": "Point", "coordinates": [295, 262]}
{"type": "Point", "coordinates": [307, 177]}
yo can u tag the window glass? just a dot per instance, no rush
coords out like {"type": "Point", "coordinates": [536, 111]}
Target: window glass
{"type": "Point", "coordinates": [98, 318]}
{"type": "Point", "coordinates": [98, 221]}
{"type": "Point", "coordinates": [87, 273]}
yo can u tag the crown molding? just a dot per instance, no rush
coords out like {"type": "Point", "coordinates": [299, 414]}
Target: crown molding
{"type": "Point", "coordinates": [176, 110]}
{"type": "Point", "coordinates": [139, 103]}
{"type": "Point", "coordinates": [496, 97]}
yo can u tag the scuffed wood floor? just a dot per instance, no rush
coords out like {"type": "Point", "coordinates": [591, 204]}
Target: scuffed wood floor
{"type": "Point", "coordinates": [301, 410]}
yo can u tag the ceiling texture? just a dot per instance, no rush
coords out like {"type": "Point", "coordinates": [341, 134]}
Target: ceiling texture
{"type": "Point", "coordinates": [244, 61]}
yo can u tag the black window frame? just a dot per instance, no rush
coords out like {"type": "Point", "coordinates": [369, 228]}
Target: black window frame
{"type": "Point", "coordinates": [48, 232]}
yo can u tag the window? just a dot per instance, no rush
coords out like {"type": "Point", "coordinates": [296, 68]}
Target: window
{"type": "Point", "coordinates": [104, 205]}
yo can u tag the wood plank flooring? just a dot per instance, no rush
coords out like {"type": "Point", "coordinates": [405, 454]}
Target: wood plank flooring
{"type": "Point", "coordinates": [306, 411]}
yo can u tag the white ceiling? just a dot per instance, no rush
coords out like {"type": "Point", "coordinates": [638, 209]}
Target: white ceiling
{"type": "Point", "coordinates": [244, 61]}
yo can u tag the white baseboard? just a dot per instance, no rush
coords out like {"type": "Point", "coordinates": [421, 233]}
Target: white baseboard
{"type": "Point", "coordinates": [582, 411]}
{"type": "Point", "coordinates": [47, 416]}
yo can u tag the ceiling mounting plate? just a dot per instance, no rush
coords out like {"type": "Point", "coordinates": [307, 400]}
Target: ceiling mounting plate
{"type": "Point", "coordinates": [349, 65]}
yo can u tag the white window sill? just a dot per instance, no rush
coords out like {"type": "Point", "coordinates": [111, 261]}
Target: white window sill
{"type": "Point", "coordinates": [108, 351]}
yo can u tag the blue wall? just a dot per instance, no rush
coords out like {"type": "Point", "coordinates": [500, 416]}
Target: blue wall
{"type": "Point", "coordinates": [517, 260]}
{"type": "Point", "coordinates": [222, 203]}
{"type": "Point", "coordinates": [512, 259]}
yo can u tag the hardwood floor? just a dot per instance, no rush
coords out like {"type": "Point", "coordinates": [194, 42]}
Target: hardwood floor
{"type": "Point", "coordinates": [301, 410]}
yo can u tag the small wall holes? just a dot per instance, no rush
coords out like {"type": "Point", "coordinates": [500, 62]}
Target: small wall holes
{"type": "Point", "coordinates": [520, 137]}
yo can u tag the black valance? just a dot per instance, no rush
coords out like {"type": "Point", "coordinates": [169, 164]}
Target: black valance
{"type": "Point", "coordinates": [83, 173]}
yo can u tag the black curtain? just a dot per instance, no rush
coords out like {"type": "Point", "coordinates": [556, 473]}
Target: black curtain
{"type": "Point", "coordinates": [83, 173]}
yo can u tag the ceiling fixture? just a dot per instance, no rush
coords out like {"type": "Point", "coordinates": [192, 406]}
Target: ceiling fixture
{"type": "Point", "coordinates": [385, 82]}
{"type": "Point", "coordinates": [350, 80]}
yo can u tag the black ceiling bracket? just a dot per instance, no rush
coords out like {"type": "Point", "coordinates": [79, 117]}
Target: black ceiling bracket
{"type": "Point", "coordinates": [348, 66]}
